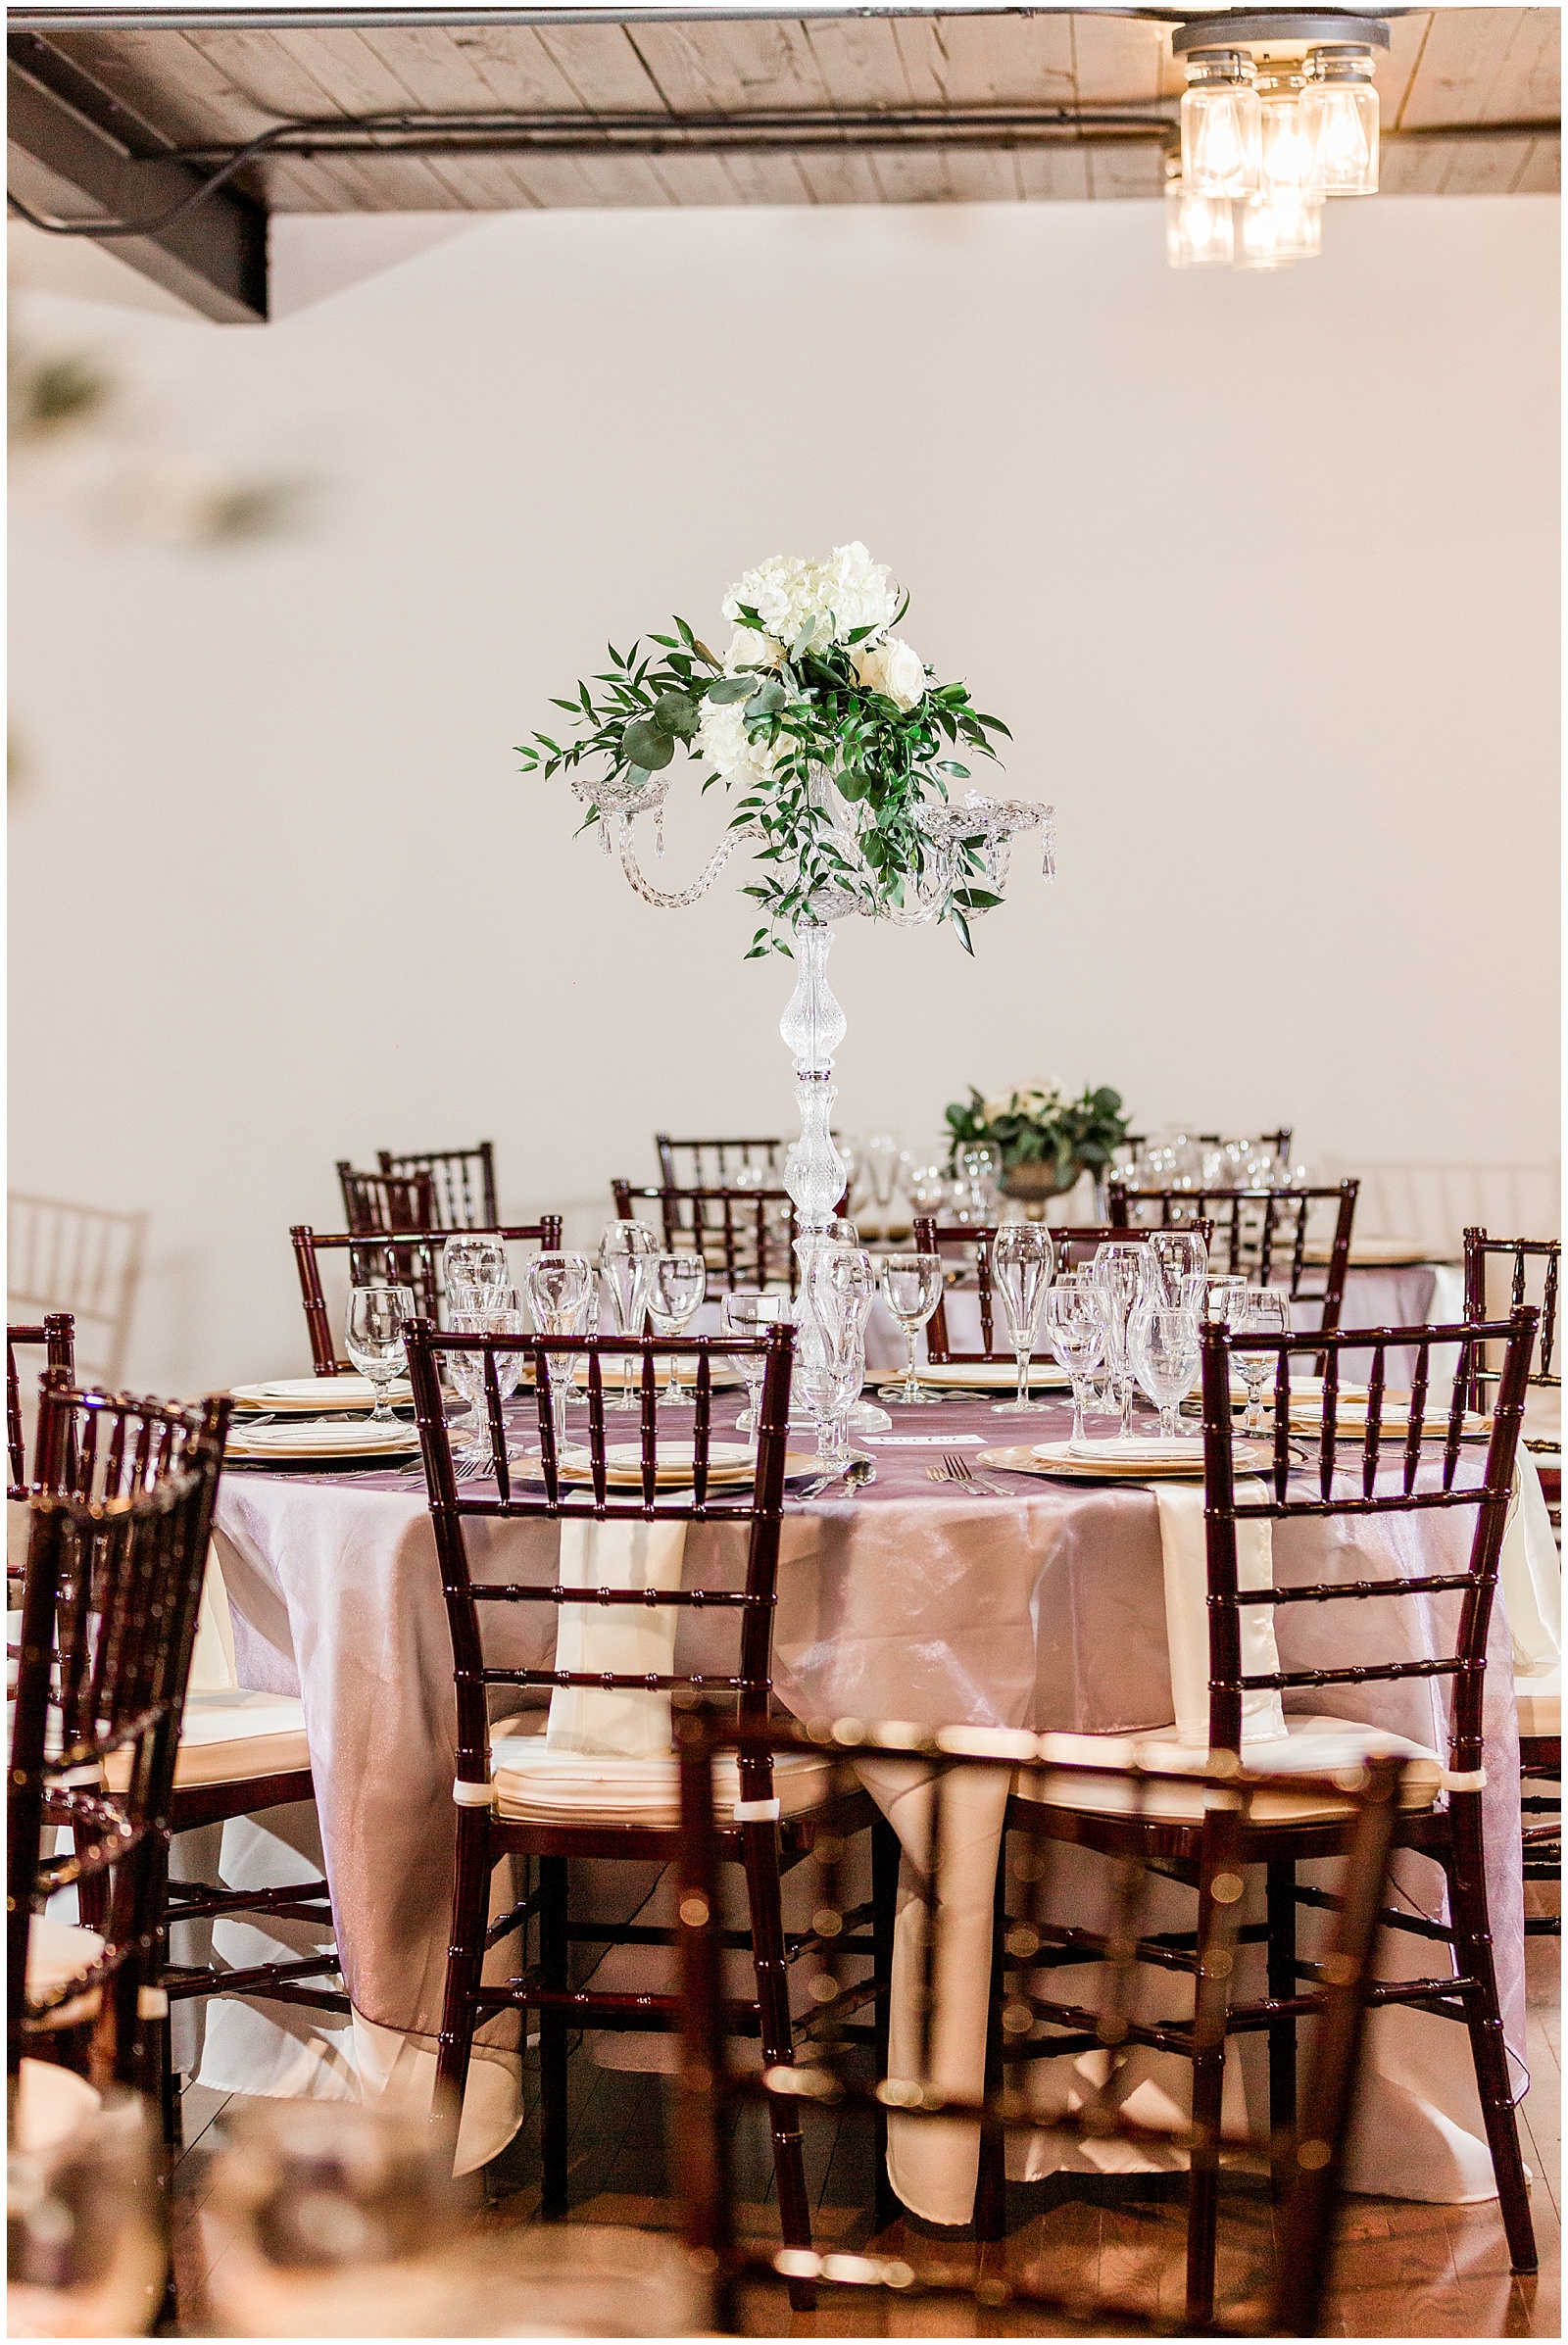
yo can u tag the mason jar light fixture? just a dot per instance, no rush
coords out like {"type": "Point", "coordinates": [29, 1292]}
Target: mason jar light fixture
{"type": "Point", "coordinates": [1285, 151]}
{"type": "Point", "coordinates": [1277, 228]}
{"type": "Point", "coordinates": [1199, 229]}
{"type": "Point", "coordinates": [1221, 124]}
{"type": "Point", "coordinates": [1340, 120]}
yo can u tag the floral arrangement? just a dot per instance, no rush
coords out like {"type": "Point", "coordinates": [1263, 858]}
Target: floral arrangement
{"type": "Point", "coordinates": [1040, 1125]}
{"type": "Point", "coordinates": [828, 731]}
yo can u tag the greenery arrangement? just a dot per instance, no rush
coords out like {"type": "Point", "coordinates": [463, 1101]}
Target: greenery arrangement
{"type": "Point", "coordinates": [828, 731]}
{"type": "Point", "coordinates": [1038, 1125]}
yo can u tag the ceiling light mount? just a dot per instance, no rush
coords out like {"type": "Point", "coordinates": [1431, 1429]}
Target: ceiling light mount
{"type": "Point", "coordinates": [1278, 36]}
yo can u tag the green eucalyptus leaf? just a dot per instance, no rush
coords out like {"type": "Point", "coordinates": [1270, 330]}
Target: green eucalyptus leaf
{"type": "Point", "coordinates": [675, 712]}
{"type": "Point", "coordinates": [644, 744]}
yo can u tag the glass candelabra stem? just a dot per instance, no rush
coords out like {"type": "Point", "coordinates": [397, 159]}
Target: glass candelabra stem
{"type": "Point", "coordinates": [812, 1026]}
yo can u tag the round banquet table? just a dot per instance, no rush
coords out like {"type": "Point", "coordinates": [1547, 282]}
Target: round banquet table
{"type": "Point", "coordinates": [1044, 1607]}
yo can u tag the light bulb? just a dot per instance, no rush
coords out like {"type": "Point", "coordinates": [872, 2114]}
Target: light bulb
{"type": "Point", "coordinates": [1339, 121]}
{"type": "Point", "coordinates": [1277, 228]}
{"type": "Point", "coordinates": [1286, 151]}
{"type": "Point", "coordinates": [1220, 126]}
{"type": "Point", "coordinates": [1199, 230]}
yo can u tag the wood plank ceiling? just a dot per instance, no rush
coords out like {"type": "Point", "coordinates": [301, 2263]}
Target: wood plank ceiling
{"type": "Point", "coordinates": [1488, 75]}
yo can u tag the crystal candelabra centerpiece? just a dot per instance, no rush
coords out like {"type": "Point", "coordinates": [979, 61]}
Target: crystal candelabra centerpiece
{"type": "Point", "coordinates": [831, 735]}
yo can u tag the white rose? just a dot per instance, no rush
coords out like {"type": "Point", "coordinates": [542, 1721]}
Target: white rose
{"type": "Point", "coordinates": [1002, 1104]}
{"type": "Point", "coordinates": [748, 648]}
{"type": "Point", "coordinates": [727, 746]}
{"type": "Point", "coordinates": [895, 669]}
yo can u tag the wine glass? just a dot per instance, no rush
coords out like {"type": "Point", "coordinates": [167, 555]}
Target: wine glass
{"type": "Point", "coordinates": [1118, 1271]}
{"type": "Point", "coordinates": [882, 1151]}
{"type": "Point", "coordinates": [677, 1284]}
{"type": "Point", "coordinates": [470, 1265]}
{"type": "Point", "coordinates": [1077, 1319]}
{"type": "Point", "coordinates": [500, 1314]}
{"type": "Point", "coordinates": [841, 1281]}
{"type": "Point", "coordinates": [1022, 1260]}
{"type": "Point", "coordinates": [1175, 1268]}
{"type": "Point", "coordinates": [1224, 1283]}
{"type": "Point", "coordinates": [563, 1295]}
{"type": "Point", "coordinates": [1162, 1343]}
{"type": "Point", "coordinates": [911, 1286]}
{"type": "Point", "coordinates": [980, 1163]}
{"type": "Point", "coordinates": [374, 1332]}
{"type": "Point", "coordinates": [625, 1257]}
{"type": "Point", "coordinates": [749, 1315]}
{"type": "Point", "coordinates": [1257, 1311]}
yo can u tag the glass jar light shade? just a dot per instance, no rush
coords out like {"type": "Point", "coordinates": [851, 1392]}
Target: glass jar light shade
{"type": "Point", "coordinates": [1221, 126]}
{"type": "Point", "coordinates": [1199, 231]}
{"type": "Point", "coordinates": [1339, 123]}
{"type": "Point", "coordinates": [1285, 151]}
{"type": "Point", "coordinates": [1277, 227]}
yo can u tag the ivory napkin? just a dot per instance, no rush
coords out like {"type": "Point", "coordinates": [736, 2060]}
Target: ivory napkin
{"type": "Point", "coordinates": [1530, 1573]}
{"type": "Point", "coordinates": [1184, 1549]}
{"type": "Point", "coordinates": [633, 1640]}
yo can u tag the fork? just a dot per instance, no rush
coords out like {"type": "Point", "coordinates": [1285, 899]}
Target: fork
{"type": "Point", "coordinates": [954, 1468]}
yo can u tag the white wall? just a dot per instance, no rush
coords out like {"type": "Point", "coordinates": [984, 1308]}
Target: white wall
{"type": "Point", "coordinates": [1262, 572]}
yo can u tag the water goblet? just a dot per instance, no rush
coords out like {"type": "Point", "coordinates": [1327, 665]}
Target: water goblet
{"type": "Point", "coordinates": [882, 1151]}
{"type": "Point", "coordinates": [751, 1315]}
{"type": "Point", "coordinates": [1224, 1283]}
{"type": "Point", "coordinates": [563, 1298]}
{"type": "Point", "coordinates": [1077, 1316]}
{"type": "Point", "coordinates": [831, 1386]}
{"type": "Point", "coordinates": [373, 1333]}
{"type": "Point", "coordinates": [1175, 1268]}
{"type": "Point", "coordinates": [911, 1286]}
{"type": "Point", "coordinates": [980, 1163]}
{"type": "Point", "coordinates": [1022, 1260]}
{"type": "Point", "coordinates": [500, 1314]}
{"type": "Point", "coordinates": [469, 1265]}
{"type": "Point", "coordinates": [625, 1257]}
{"type": "Point", "coordinates": [1257, 1311]}
{"type": "Point", "coordinates": [1162, 1343]}
{"type": "Point", "coordinates": [1119, 1271]}
{"type": "Point", "coordinates": [677, 1284]}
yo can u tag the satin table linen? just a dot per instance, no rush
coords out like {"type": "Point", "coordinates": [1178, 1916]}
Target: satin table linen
{"type": "Point", "coordinates": [1043, 1608]}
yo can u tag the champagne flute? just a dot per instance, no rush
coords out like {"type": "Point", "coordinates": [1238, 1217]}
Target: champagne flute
{"type": "Point", "coordinates": [1022, 1260]}
{"type": "Point", "coordinates": [561, 1295]}
{"type": "Point", "coordinates": [1163, 1346]}
{"type": "Point", "coordinates": [911, 1286]}
{"type": "Point", "coordinates": [1257, 1311]}
{"type": "Point", "coordinates": [749, 1315]}
{"type": "Point", "coordinates": [677, 1284]}
{"type": "Point", "coordinates": [1077, 1318]}
{"type": "Point", "coordinates": [374, 1332]}
{"type": "Point", "coordinates": [625, 1257]}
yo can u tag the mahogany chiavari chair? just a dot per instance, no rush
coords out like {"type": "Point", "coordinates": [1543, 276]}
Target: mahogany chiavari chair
{"type": "Point", "coordinates": [745, 1235]}
{"type": "Point", "coordinates": [384, 1202]}
{"type": "Point", "coordinates": [1432, 1625]}
{"type": "Point", "coordinates": [1110, 2017]}
{"type": "Point", "coordinates": [1278, 1142]}
{"type": "Point", "coordinates": [714, 1163]}
{"type": "Point", "coordinates": [1539, 1702]}
{"type": "Point", "coordinates": [77, 1259]}
{"type": "Point", "coordinates": [462, 1181]}
{"type": "Point", "coordinates": [409, 1259]}
{"type": "Point", "coordinates": [55, 1339]}
{"type": "Point", "coordinates": [1264, 1232]}
{"type": "Point", "coordinates": [120, 1520]}
{"type": "Point", "coordinates": [1074, 1245]}
{"type": "Point", "coordinates": [513, 1801]}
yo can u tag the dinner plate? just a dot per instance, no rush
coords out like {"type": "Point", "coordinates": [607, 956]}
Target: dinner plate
{"type": "Point", "coordinates": [1128, 1461]}
{"type": "Point", "coordinates": [317, 1395]}
{"type": "Point", "coordinates": [721, 1375]}
{"type": "Point", "coordinates": [989, 1376]}
{"type": "Point", "coordinates": [730, 1465]}
{"type": "Point", "coordinates": [322, 1438]}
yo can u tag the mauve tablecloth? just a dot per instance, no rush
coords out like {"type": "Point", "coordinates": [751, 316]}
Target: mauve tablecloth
{"type": "Point", "coordinates": [916, 1601]}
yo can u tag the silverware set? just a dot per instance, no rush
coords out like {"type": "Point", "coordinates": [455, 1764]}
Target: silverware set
{"type": "Point", "coordinates": [955, 1468]}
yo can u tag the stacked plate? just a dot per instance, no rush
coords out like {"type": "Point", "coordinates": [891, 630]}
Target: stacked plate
{"type": "Point", "coordinates": [989, 1376]}
{"type": "Point", "coordinates": [321, 1438]}
{"type": "Point", "coordinates": [318, 1396]}
{"type": "Point", "coordinates": [1132, 1460]}
{"type": "Point", "coordinates": [730, 1465]}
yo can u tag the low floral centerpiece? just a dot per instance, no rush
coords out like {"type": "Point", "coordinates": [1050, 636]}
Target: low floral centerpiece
{"type": "Point", "coordinates": [1044, 1139]}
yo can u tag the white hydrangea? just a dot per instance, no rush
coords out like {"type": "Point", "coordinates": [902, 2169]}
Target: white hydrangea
{"type": "Point", "coordinates": [788, 592]}
{"type": "Point", "coordinates": [748, 648]}
{"type": "Point", "coordinates": [894, 668]}
{"type": "Point", "coordinates": [728, 747]}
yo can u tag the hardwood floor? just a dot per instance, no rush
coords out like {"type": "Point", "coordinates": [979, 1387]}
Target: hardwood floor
{"type": "Point", "coordinates": [1402, 2271]}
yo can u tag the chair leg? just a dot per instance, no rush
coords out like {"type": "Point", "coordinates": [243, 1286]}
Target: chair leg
{"type": "Point", "coordinates": [1210, 2011]}
{"type": "Point", "coordinates": [759, 1855]}
{"type": "Point", "coordinates": [553, 1947]}
{"type": "Point", "coordinates": [1282, 2032]}
{"type": "Point", "coordinates": [991, 2182]}
{"type": "Point", "coordinates": [1467, 1908]}
{"type": "Point", "coordinates": [885, 1855]}
{"type": "Point", "coordinates": [465, 1953]}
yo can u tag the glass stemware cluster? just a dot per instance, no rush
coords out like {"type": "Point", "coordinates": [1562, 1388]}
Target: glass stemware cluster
{"type": "Point", "coordinates": [841, 1283]}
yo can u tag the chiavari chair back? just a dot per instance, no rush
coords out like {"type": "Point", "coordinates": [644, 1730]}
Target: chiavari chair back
{"type": "Point", "coordinates": [462, 1181]}
{"type": "Point", "coordinates": [55, 1338]}
{"type": "Point", "coordinates": [409, 1259]}
{"type": "Point", "coordinates": [522, 1797]}
{"type": "Point", "coordinates": [745, 1235]}
{"type": "Point", "coordinates": [1107, 2013]}
{"type": "Point", "coordinates": [78, 1258]}
{"type": "Point", "coordinates": [718, 1163]}
{"type": "Point", "coordinates": [1074, 1246]}
{"type": "Point", "coordinates": [120, 1520]}
{"type": "Point", "coordinates": [386, 1201]}
{"type": "Point", "coordinates": [1531, 1267]}
{"type": "Point", "coordinates": [1266, 1234]}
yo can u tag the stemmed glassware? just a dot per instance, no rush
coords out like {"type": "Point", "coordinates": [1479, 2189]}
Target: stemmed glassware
{"type": "Point", "coordinates": [677, 1284]}
{"type": "Point", "coordinates": [882, 1153]}
{"type": "Point", "coordinates": [1118, 1270]}
{"type": "Point", "coordinates": [626, 1252]}
{"type": "Point", "coordinates": [912, 1288]}
{"type": "Point", "coordinates": [373, 1333]}
{"type": "Point", "coordinates": [563, 1298]}
{"type": "Point", "coordinates": [1175, 1268]}
{"type": "Point", "coordinates": [499, 1314]}
{"type": "Point", "coordinates": [1162, 1345]}
{"type": "Point", "coordinates": [468, 1266]}
{"type": "Point", "coordinates": [980, 1163]}
{"type": "Point", "coordinates": [841, 1283]}
{"type": "Point", "coordinates": [1257, 1311]}
{"type": "Point", "coordinates": [1077, 1317]}
{"type": "Point", "coordinates": [1022, 1260]}
{"type": "Point", "coordinates": [751, 1315]}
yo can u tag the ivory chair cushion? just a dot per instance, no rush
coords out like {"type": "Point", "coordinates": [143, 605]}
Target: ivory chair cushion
{"type": "Point", "coordinates": [51, 2102]}
{"type": "Point", "coordinates": [228, 1736]}
{"type": "Point", "coordinates": [537, 1785]}
{"type": "Point", "coordinates": [1539, 1701]}
{"type": "Point", "coordinates": [1314, 1744]}
{"type": "Point", "coordinates": [57, 1952]}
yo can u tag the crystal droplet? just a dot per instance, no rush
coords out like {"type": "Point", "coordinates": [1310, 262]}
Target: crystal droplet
{"type": "Point", "coordinates": [658, 831]}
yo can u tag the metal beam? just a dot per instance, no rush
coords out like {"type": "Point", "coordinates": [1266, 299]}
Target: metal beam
{"type": "Point", "coordinates": [65, 166]}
